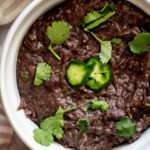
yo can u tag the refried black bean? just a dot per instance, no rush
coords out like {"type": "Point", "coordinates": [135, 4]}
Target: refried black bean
{"type": "Point", "coordinates": [126, 94]}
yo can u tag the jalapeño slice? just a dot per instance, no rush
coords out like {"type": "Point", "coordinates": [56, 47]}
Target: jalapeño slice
{"type": "Point", "coordinates": [77, 73]}
{"type": "Point", "coordinates": [100, 76]}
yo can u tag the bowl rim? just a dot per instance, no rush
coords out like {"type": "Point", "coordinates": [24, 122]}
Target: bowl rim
{"type": "Point", "coordinates": [3, 57]}
{"type": "Point", "coordinates": [5, 49]}
{"type": "Point", "coordinates": [4, 52]}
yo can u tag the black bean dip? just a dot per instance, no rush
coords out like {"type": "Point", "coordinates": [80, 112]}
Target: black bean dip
{"type": "Point", "coordinates": [126, 94]}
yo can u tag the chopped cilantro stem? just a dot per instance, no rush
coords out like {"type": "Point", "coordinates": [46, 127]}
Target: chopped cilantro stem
{"type": "Point", "coordinates": [147, 104]}
{"type": "Point", "coordinates": [53, 52]}
{"type": "Point", "coordinates": [70, 109]}
{"type": "Point", "coordinates": [96, 37]}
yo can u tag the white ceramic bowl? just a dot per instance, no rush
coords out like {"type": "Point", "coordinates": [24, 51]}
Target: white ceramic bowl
{"type": "Point", "coordinates": [9, 91]}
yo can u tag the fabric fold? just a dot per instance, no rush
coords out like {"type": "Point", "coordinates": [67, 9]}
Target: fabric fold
{"type": "Point", "coordinates": [9, 9]}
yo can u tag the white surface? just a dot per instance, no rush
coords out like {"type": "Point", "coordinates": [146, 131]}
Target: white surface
{"type": "Point", "coordinates": [10, 96]}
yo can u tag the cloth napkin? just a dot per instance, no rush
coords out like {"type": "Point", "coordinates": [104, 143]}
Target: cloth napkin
{"type": "Point", "coordinates": [6, 131]}
{"type": "Point", "coordinates": [9, 10]}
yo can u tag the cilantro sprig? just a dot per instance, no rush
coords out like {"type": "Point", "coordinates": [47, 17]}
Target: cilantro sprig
{"type": "Point", "coordinates": [106, 49]}
{"type": "Point", "coordinates": [84, 124]}
{"type": "Point", "coordinates": [43, 71]}
{"type": "Point", "coordinates": [100, 104]}
{"type": "Point", "coordinates": [125, 127]}
{"type": "Point", "coordinates": [58, 33]}
{"type": "Point", "coordinates": [140, 43]}
{"type": "Point", "coordinates": [95, 18]}
{"type": "Point", "coordinates": [51, 127]}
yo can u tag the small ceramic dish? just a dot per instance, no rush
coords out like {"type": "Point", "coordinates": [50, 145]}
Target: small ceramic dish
{"type": "Point", "coordinates": [9, 92]}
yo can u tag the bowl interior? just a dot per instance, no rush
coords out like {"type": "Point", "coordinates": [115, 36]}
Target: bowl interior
{"type": "Point", "coordinates": [9, 92]}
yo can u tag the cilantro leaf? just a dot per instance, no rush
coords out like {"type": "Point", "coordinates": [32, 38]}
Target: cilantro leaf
{"type": "Point", "coordinates": [43, 71]}
{"type": "Point", "coordinates": [84, 124]}
{"type": "Point", "coordinates": [103, 105]}
{"type": "Point", "coordinates": [147, 104]}
{"type": "Point", "coordinates": [106, 49]}
{"type": "Point", "coordinates": [94, 15]}
{"type": "Point", "coordinates": [48, 122]}
{"type": "Point", "coordinates": [107, 8]}
{"type": "Point", "coordinates": [43, 137]}
{"type": "Point", "coordinates": [87, 107]}
{"type": "Point", "coordinates": [140, 44]}
{"type": "Point", "coordinates": [116, 41]}
{"type": "Point", "coordinates": [126, 128]}
{"type": "Point", "coordinates": [99, 21]}
{"type": "Point", "coordinates": [58, 33]}
{"type": "Point", "coordinates": [113, 7]}
{"type": "Point", "coordinates": [50, 127]}
{"type": "Point", "coordinates": [95, 18]}
{"type": "Point", "coordinates": [90, 17]}
{"type": "Point", "coordinates": [100, 104]}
